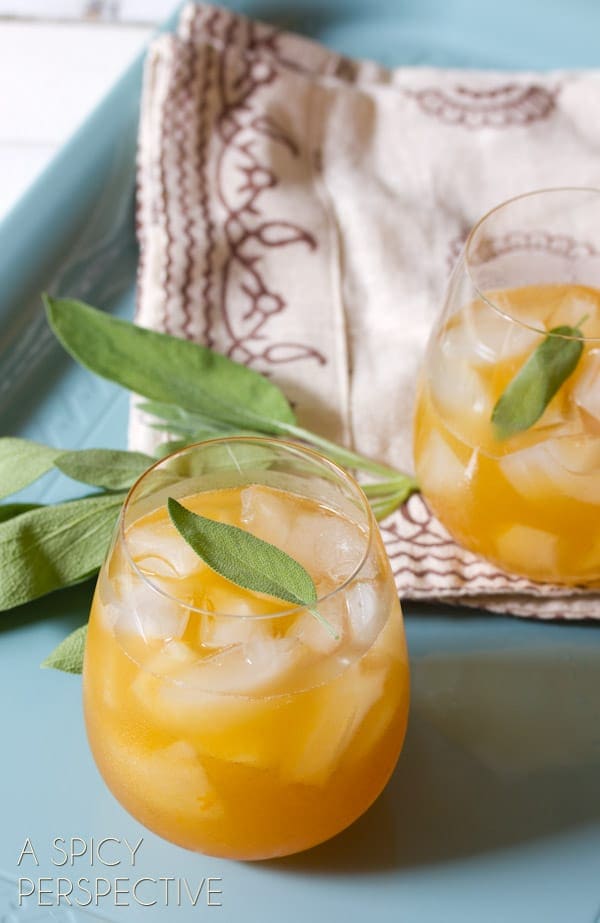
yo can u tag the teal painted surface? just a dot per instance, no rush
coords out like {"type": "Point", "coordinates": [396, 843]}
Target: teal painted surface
{"type": "Point", "coordinates": [493, 814]}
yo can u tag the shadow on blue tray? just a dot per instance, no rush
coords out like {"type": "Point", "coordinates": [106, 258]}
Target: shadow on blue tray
{"type": "Point", "coordinates": [503, 746]}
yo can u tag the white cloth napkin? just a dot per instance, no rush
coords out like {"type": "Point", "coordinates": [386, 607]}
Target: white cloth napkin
{"type": "Point", "coordinates": [300, 212]}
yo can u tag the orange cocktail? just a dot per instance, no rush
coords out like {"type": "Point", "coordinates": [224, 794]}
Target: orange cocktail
{"type": "Point", "coordinates": [221, 720]}
{"type": "Point", "coordinates": [531, 502]}
{"type": "Point", "coordinates": [507, 423]}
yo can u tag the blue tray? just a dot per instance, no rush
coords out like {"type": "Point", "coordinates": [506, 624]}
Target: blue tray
{"type": "Point", "coordinates": [494, 811]}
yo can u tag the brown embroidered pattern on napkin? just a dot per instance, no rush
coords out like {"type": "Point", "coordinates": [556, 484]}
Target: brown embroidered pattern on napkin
{"type": "Point", "coordinates": [298, 211]}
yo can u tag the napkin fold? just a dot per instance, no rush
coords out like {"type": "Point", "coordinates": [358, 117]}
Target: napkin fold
{"type": "Point", "coordinates": [300, 212]}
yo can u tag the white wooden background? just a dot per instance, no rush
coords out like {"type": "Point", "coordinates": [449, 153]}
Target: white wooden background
{"type": "Point", "coordinates": [57, 60]}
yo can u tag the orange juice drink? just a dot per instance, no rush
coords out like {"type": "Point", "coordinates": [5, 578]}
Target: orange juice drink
{"type": "Point", "coordinates": [529, 502]}
{"type": "Point", "coordinates": [223, 720]}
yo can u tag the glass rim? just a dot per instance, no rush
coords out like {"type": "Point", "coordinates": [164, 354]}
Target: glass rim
{"type": "Point", "coordinates": [288, 446]}
{"type": "Point", "coordinates": [469, 266]}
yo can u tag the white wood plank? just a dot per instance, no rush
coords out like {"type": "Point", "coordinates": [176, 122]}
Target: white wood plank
{"type": "Point", "coordinates": [57, 74]}
{"type": "Point", "coordinates": [54, 76]}
{"type": "Point", "coordinates": [136, 11]}
{"type": "Point", "coordinates": [43, 9]}
{"type": "Point", "coordinates": [140, 10]}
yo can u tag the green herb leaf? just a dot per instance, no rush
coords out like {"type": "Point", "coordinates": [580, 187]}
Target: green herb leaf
{"type": "Point", "coordinates": [54, 546]}
{"type": "Point", "coordinates": [198, 394]}
{"type": "Point", "coordinates": [167, 369]}
{"type": "Point", "coordinates": [246, 560]}
{"type": "Point", "coordinates": [10, 510]}
{"type": "Point", "coordinates": [107, 468]}
{"type": "Point", "coordinates": [528, 394]}
{"type": "Point", "coordinates": [68, 656]}
{"type": "Point", "coordinates": [182, 420]}
{"type": "Point", "coordinates": [22, 462]}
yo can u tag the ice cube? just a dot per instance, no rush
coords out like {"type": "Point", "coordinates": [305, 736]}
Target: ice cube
{"type": "Point", "coordinates": [577, 454]}
{"type": "Point", "coordinates": [224, 727]}
{"type": "Point", "coordinates": [339, 709]}
{"type": "Point", "coordinates": [524, 548]}
{"type": "Point", "coordinates": [310, 631]}
{"type": "Point", "coordinates": [268, 515]}
{"type": "Point", "coordinates": [384, 711]}
{"type": "Point", "coordinates": [140, 609]}
{"type": "Point", "coordinates": [238, 626]}
{"type": "Point", "coordinates": [459, 388]}
{"type": "Point", "coordinates": [160, 549]}
{"type": "Point", "coordinates": [363, 602]}
{"type": "Point", "coordinates": [175, 782]}
{"type": "Point", "coordinates": [322, 541]}
{"type": "Point", "coordinates": [327, 545]}
{"type": "Point", "coordinates": [567, 466]}
{"type": "Point", "coordinates": [161, 670]}
{"type": "Point", "coordinates": [480, 335]}
{"type": "Point", "coordinates": [572, 308]}
{"type": "Point", "coordinates": [260, 666]}
{"type": "Point", "coordinates": [586, 392]}
{"type": "Point", "coordinates": [171, 659]}
{"type": "Point", "coordinates": [439, 468]}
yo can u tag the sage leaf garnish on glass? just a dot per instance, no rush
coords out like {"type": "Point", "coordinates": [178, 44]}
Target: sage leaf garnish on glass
{"type": "Point", "coordinates": [68, 656]}
{"type": "Point", "coordinates": [527, 395]}
{"type": "Point", "coordinates": [246, 560]}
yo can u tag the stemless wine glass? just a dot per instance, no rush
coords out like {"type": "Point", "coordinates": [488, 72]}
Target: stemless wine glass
{"type": "Point", "coordinates": [519, 481]}
{"type": "Point", "coordinates": [223, 719]}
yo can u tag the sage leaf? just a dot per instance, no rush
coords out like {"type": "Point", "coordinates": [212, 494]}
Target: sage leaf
{"type": "Point", "coordinates": [54, 546]}
{"type": "Point", "coordinates": [167, 369]}
{"type": "Point", "coordinates": [246, 560]}
{"type": "Point", "coordinates": [10, 510]}
{"type": "Point", "coordinates": [528, 394]}
{"type": "Point", "coordinates": [68, 656]}
{"type": "Point", "coordinates": [108, 468]}
{"type": "Point", "coordinates": [22, 462]}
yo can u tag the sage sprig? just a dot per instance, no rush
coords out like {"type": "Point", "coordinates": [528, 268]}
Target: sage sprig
{"type": "Point", "coordinates": [246, 560]}
{"type": "Point", "coordinates": [198, 393]}
{"type": "Point", "coordinates": [527, 395]}
{"type": "Point", "coordinates": [193, 394]}
{"type": "Point", "coordinates": [167, 369]}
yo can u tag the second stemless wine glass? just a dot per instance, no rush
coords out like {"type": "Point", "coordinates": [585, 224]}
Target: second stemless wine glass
{"type": "Point", "coordinates": [528, 498]}
{"type": "Point", "coordinates": [222, 719]}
